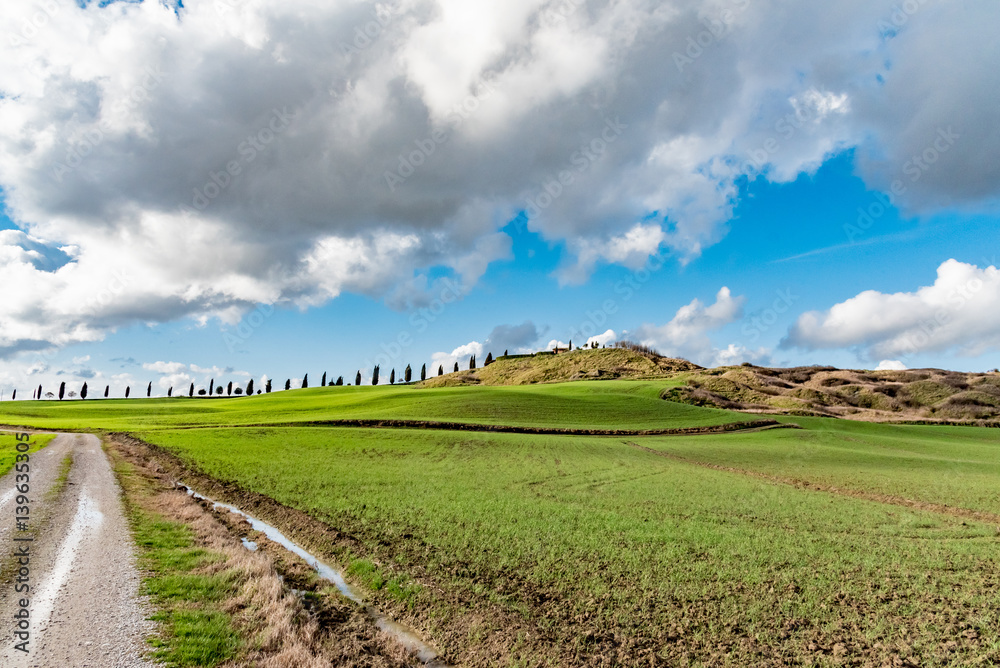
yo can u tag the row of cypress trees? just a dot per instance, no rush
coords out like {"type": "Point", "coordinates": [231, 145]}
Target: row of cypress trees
{"type": "Point", "coordinates": [230, 389]}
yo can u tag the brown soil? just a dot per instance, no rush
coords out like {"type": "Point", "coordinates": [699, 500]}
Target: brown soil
{"type": "Point", "coordinates": [534, 625]}
{"type": "Point", "coordinates": [283, 629]}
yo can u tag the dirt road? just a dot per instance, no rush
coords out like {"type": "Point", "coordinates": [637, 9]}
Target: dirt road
{"type": "Point", "coordinates": [84, 609]}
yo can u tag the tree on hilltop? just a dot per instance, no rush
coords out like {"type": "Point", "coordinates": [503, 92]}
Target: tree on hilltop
{"type": "Point", "coordinates": [62, 390]}
{"type": "Point", "coordinates": [407, 374]}
{"type": "Point", "coordinates": [83, 391]}
{"type": "Point", "coordinates": [423, 372]}
{"type": "Point", "coordinates": [357, 379]}
{"type": "Point", "coordinates": [440, 369]}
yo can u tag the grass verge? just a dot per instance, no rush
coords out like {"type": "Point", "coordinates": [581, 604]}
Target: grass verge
{"type": "Point", "coordinates": [184, 582]}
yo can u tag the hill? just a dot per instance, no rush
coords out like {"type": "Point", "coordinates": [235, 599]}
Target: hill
{"type": "Point", "coordinates": [917, 394]}
{"type": "Point", "coordinates": [583, 364]}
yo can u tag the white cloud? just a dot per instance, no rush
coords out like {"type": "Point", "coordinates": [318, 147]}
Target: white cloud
{"type": "Point", "coordinates": [115, 118]}
{"type": "Point", "coordinates": [687, 333]}
{"type": "Point", "coordinates": [460, 354]}
{"type": "Point", "coordinates": [959, 312]}
{"type": "Point", "coordinates": [890, 365]}
{"type": "Point", "coordinates": [607, 337]}
{"type": "Point", "coordinates": [165, 367]}
{"type": "Point", "coordinates": [81, 360]}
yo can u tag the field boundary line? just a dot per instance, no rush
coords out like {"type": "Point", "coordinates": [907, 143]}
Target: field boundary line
{"type": "Point", "coordinates": [888, 499]}
{"type": "Point", "coordinates": [742, 427]}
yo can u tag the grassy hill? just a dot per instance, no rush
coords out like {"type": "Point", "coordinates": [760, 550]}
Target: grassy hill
{"type": "Point", "coordinates": [917, 394]}
{"type": "Point", "coordinates": [839, 543]}
{"type": "Point", "coordinates": [578, 405]}
{"type": "Point", "coordinates": [599, 364]}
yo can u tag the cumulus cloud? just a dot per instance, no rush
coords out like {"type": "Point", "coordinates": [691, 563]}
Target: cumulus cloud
{"type": "Point", "coordinates": [166, 162]}
{"type": "Point", "coordinates": [890, 365]}
{"type": "Point", "coordinates": [513, 338]}
{"type": "Point", "coordinates": [460, 355]}
{"type": "Point", "coordinates": [606, 338]}
{"type": "Point", "coordinates": [959, 312]}
{"type": "Point", "coordinates": [687, 333]}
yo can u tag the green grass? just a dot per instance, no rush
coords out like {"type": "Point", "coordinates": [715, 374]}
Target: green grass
{"type": "Point", "coordinates": [955, 466]}
{"type": "Point", "coordinates": [596, 404]}
{"type": "Point", "coordinates": [8, 448]}
{"type": "Point", "coordinates": [195, 630]}
{"type": "Point", "coordinates": [630, 541]}
{"type": "Point", "coordinates": [563, 548]}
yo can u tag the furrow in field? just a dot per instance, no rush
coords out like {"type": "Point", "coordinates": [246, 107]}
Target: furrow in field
{"type": "Point", "coordinates": [889, 499]}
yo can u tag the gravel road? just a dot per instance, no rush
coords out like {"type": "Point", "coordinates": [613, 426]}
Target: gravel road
{"type": "Point", "coordinates": [85, 610]}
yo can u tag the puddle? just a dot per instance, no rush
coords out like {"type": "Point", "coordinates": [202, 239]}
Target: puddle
{"type": "Point", "coordinates": [402, 634]}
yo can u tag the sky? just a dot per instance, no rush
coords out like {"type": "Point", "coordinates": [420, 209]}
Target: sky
{"type": "Point", "coordinates": [252, 189]}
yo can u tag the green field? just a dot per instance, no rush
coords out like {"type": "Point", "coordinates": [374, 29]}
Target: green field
{"type": "Point", "coordinates": [841, 543]}
{"type": "Point", "coordinates": [596, 405]}
{"type": "Point", "coordinates": [8, 448]}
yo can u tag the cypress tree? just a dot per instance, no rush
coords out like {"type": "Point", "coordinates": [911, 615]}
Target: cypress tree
{"type": "Point", "coordinates": [149, 389]}
{"type": "Point", "coordinates": [62, 390]}
{"type": "Point", "coordinates": [505, 353]}
{"type": "Point", "coordinates": [456, 365]}
{"type": "Point", "coordinates": [191, 391]}
{"type": "Point", "coordinates": [288, 384]}
{"type": "Point", "coordinates": [13, 397]}
{"type": "Point", "coordinates": [440, 369]}
{"type": "Point", "coordinates": [323, 382]}
{"type": "Point", "coordinates": [229, 389]}
{"type": "Point", "coordinates": [375, 375]}
{"type": "Point", "coordinates": [39, 395]}
{"type": "Point", "coordinates": [107, 391]}
{"type": "Point", "coordinates": [305, 382]}
{"type": "Point", "coordinates": [211, 387]}
{"type": "Point", "coordinates": [472, 362]}
{"type": "Point", "coordinates": [267, 386]}
{"type": "Point", "coordinates": [423, 372]}
{"type": "Point", "coordinates": [357, 379]}
{"type": "Point", "coordinates": [392, 377]}
{"type": "Point", "coordinates": [170, 392]}
{"type": "Point", "coordinates": [489, 359]}
{"type": "Point", "coordinates": [83, 391]}
{"type": "Point", "coordinates": [407, 374]}
{"type": "Point", "coordinates": [340, 381]}
{"type": "Point", "coordinates": [128, 390]}
{"type": "Point", "coordinates": [250, 387]}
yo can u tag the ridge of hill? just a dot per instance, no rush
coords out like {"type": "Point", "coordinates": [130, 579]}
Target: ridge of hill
{"type": "Point", "coordinates": [580, 364]}
{"type": "Point", "coordinates": [916, 394]}
{"type": "Point", "coordinates": [934, 395]}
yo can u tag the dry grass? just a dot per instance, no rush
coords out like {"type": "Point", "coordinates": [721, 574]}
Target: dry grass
{"type": "Point", "coordinates": [279, 629]}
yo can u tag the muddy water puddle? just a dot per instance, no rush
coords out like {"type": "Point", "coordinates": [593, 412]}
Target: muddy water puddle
{"type": "Point", "coordinates": [402, 634]}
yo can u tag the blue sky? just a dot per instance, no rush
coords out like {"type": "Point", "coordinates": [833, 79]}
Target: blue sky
{"type": "Point", "coordinates": [302, 260]}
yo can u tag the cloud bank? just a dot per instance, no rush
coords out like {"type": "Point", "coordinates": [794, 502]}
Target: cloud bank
{"type": "Point", "coordinates": [166, 162]}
